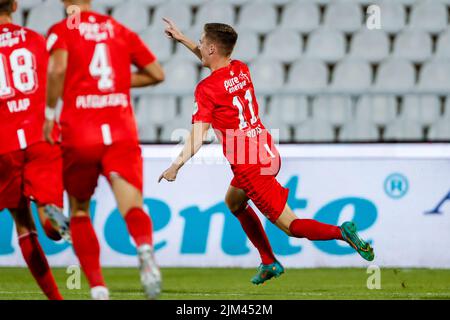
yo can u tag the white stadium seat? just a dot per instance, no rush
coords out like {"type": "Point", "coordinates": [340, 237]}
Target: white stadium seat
{"type": "Point", "coordinates": [278, 128]}
{"type": "Point", "coordinates": [155, 109]}
{"type": "Point", "coordinates": [395, 75]}
{"type": "Point", "coordinates": [301, 16]}
{"type": "Point", "coordinates": [308, 75]}
{"type": "Point", "coordinates": [178, 12]}
{"type": "Point", "coordinates": [422, 109]}
{"type": "Point", "coordinates": [326, 44]}
{"type": "Point", "coordinates": [370, 45]}
{"type": "Point", "coordinates": [214, 11]}
{"type": "Point", "coordinates": [181, 77]}
{"type": "Point", "coordinates": [314, 131]}
{"type": "Point", "coordinates": [175, 131]}
{"type": "Point", "coordinates": [332, 109]}
{"type": "Point", "coordinates": [430, 16]}
{"type": "Point", "coordinates": [400, 130]}
{"type": "Point", "coordinates": [345, 16]}
{"type": "Point", "coordinates": [133, 15]}
{"type": "Point", "coordinates": [359, 131]}
{"type": "Point", "coordinates": [435, 75]}
{"type": "Point", "coordinates": [377, 109]}
{"type": "Point", "coordinates": [291, 110]}
{"type": "Point", "coordinates": [27, 4]}
{"type": "Point", "coordinates": [160, 45]}
{"type": "Point", "coordinates": [107, 3]}
{"type": "Point", "coordinates": [267, 75]}
{"type": "Point", "coordinates": [440, 130]}
{"type": "Point", "coordinates": [42, 17]}
{"type": "Point", "coordinates": [393, 16]}
{"type": "Point", "coordinates": [443, 45]}
{"type": "Point", "coordinates": [413, 45]}
{"type": "Point", "coordinates": [352, 75]}
{"type": "Point", "coordinates": [283, 45]}
{"type": "Point", "coordinates": [247, 46]}
{"type": "Point", "coordinates": [148, 132]}
{"type": "Point", "coordinates": [257, 16]}
{"type": "Point", "coordinates": [18, 18]}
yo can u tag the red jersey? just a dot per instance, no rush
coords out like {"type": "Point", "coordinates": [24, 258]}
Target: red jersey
{"type": "Point", "coordinates": [227, 100]}
{"type": "Point", "coordinates": [23, 85]}
{"type": "Point", "coordinates": [97, 104]}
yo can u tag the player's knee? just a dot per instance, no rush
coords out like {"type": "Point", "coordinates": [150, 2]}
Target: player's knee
{"type": "Point", "coordinates": [235, 207]}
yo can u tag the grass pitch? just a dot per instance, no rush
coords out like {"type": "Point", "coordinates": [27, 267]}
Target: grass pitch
{"type": "Point", "coordinates": [234, 284]}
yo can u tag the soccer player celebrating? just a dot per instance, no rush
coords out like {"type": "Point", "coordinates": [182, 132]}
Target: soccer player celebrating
{"type": "Point", "coordinates": [30, 168]}
{"type": "Point", "coordinates": [90, 59]}
{"type": "Point", "coordinates": [226, 100]}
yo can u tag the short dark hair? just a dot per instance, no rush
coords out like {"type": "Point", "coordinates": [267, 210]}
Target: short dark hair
{"type": "Point", "coordinates": [6, 6]}
{"type": "Point", "coordinates": [223, 35]}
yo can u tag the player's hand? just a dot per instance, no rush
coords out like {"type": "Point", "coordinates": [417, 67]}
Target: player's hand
{"type": "Point", "coordinates": [172, 30]}
{"type": "Point", "coordinates": [48, 129]}
{"type": "Point", "coordinates": [170, 174]}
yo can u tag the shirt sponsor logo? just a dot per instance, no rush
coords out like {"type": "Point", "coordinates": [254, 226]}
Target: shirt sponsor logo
{"type": "Point", "coordinates": [10, 39]}
{"type": "Point", "coordinates": [236, 83]}
{"type": "Point", "coordinates": [97, 32]}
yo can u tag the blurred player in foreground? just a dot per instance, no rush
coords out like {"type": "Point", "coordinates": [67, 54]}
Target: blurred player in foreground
{"type": "Point", "coordinates": [226, 100]}
{"type": "Point", "coordinates": [90, 60]}
{"type": "Point", "coordinates": [30, 168]}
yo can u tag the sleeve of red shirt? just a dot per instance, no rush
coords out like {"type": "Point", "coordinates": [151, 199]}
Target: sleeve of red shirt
{"type": "Point", "coordinates": [56, 38]}
{"type": "Point", "coordinates": [141, 55]}
{"type": "Point", "coordinates": [203, 106]}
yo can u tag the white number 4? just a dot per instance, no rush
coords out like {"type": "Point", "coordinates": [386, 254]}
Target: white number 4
{"type": "Point", "coordinates": [100, 67]}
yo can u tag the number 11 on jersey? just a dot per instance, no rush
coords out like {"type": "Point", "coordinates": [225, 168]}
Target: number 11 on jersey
{"type": "Point", "coordinates": [242, 106]}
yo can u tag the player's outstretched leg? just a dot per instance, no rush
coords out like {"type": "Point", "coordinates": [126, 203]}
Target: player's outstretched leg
{"type": "Point", "coordinates": [315, 230]}
{"type": "Point", "coordinates": [139, 224]}
{"type": "Point", "coordinates": [33, 254]}
{"type": "Point", "coordinates": [236, 201]}
{"type": "Point", "coordinates": [87, 248]}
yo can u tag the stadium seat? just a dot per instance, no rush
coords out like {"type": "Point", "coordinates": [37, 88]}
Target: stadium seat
{"type": "Point", "coordinates": [175, 131]}
{"type": "Point", "coordinates": [160, 45]}
{"type": "Point", "coordinates": [42, 17]}
{"type": "Point", "coordinates": [280, 130]}
{"type": "Point", "coordinates": [377, 109]}
{"type": "Point", "coordinates": [283, 45]}
{"type": "Point", "coordinates": [393, 17]}
{"type": "Point", "coordinates": [300, 16]}
{"type": "Point", "coordinates": [28, 4]}
{"type": "Point", "coordinates": [413, 45]}
{"type": "Point", "coordinates": [352, 76]}
{"type": "Point", "coordinates": [314, 131]}
{"type": "Point", "coordinates": [152, 3]}
{"type": "Point", "coordinates": [18, 17]}
{"type": "Point", "coordinates": [107, 3]}
{"type": "Point", "coordinates": [148, 133]}
{"type": "Point", "coordinates": [440, 130]}
{"type": "Point", "coordinates": [435, 76]}
{"type": "Point", "coordinates": [181, 77]}
{"type": "Point", "coordinates": [308, 75]}
{"type": "Point", "coordinates": [155, 109]}
{"type": "Point", "coordinates": [422, 109]}
{"type": "Point", "coordinates": [403, 130]}
{"type": "Point", "coordinates": [247, 47]}
{"type": "Point", "coordinates": [266, 19]}
{"type": "Point", "coordinates": [443, 45]}
{"type": "Point", "coordinates": [186, 108]}
{"type": "Point", "coordinates": [132, 15]}
{"type": "Point", "coordinates": [183, 53]}
{"type": "Point", "coordinates": [333, 109]}
{"type": "Point", "coordinates": [430, 16]}
{"type": "Point", "coordinates": [370, 45]}
{"type": "Point", "coordinates": [267, 75]}
{"type": "Point", "coordinates": [291, 110]}
{"type": "Point", "coordinates": [345, 16]}
{"type": "Point", "coordinates": [326, 44]}
{"type": "Point", "coordinates": [358, 131]}
{"type": "Point", "coordinates": [180, 13]}
{"type": "Point", "coordinates": [99, 8]}
{"type": "Point", "coordinates": [214, 11]}
{"type": "Point", "coordinates": [395, 75]}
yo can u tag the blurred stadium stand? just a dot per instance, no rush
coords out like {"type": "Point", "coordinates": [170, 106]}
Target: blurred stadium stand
{"type": "Point", "coordinates": [320, 74]}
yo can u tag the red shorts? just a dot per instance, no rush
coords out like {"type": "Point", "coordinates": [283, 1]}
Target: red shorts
{"type": "Point", "coordinates": [34, 173]}
{"type": "Point", "coordinates": [261, 186]}
{"type": "Point", "coordinates": [82, 166]}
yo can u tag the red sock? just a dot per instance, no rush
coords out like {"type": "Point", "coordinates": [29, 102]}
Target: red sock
{"type": "Point", "coordinates": [87, 249]}
{"type": "Point", "coordinates": [38, 265]}
{"type": "Point", "coordinates": [255, 232]}
{"type": "Point", "coordinates": [50, 231]}
{"type": "Point", "coordinates": [139, 226]}
{"type": "Point", "coordinates": [314, 230]}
